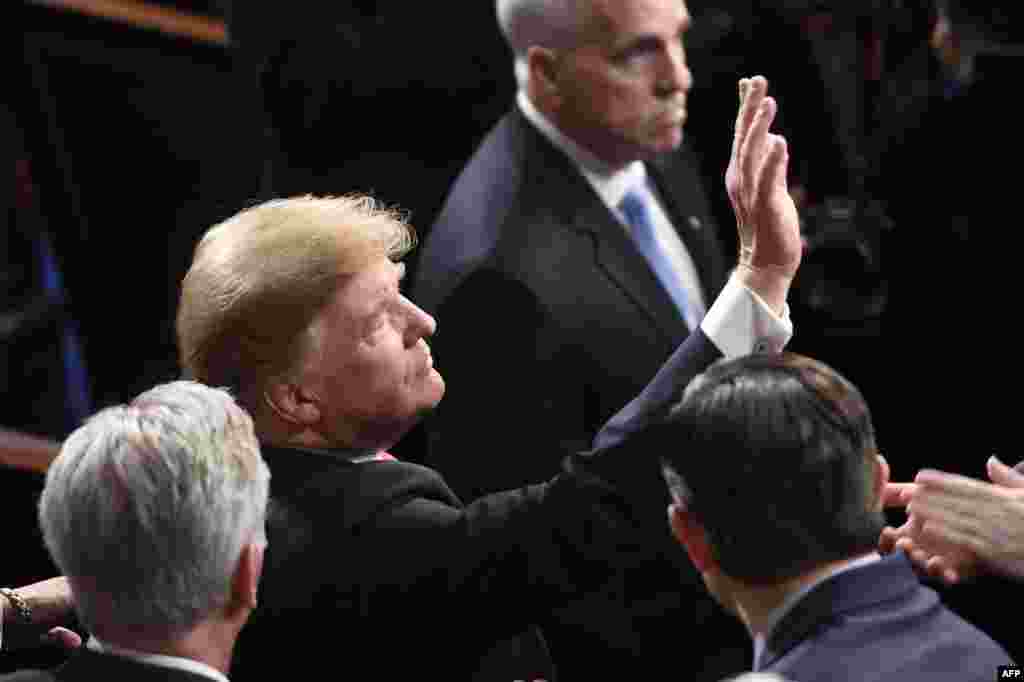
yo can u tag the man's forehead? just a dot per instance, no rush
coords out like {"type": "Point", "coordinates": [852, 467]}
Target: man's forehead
{"type": "Point", "coordinates": [362, 292]}
{"type": "Point", "coordinates": [620, 21]}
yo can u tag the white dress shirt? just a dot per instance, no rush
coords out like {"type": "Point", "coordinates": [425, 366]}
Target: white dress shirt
{"type": "Point", "coordinates": [611, 186]}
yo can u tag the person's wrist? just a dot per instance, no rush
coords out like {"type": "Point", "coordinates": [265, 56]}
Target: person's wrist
{"type": "Point", "coordinates": [14, 607]}
{"type": "Point", "coordinates": [771, 283]}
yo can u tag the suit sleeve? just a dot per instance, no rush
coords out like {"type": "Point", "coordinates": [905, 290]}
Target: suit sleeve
{"type": "Point", "coordinates": [508, 558]}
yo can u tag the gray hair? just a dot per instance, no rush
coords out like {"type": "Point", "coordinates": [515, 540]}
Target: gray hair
{"type": "Point", "coordinates": [545, 23]}
{"type": "Point", "coordinates": [148, 506]}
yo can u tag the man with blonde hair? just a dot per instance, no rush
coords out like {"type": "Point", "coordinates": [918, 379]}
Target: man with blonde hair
{"type": "Point", "coordinates": [155, 511]}
{"type": "Point", "coordinates": [373, 563]}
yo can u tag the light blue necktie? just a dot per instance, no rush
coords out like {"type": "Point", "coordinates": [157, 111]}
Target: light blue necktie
{"type": "Point", "coordinates": [634, 208]}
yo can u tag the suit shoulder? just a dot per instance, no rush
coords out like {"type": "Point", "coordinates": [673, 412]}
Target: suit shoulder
{"type": "Point", "coordinates": [471, 220]}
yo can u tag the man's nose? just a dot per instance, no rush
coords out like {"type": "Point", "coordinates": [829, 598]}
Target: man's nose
{"type": "Point", "coordinates": [420, 325]}
{"type": "Point", "coordinates": [676, 76]}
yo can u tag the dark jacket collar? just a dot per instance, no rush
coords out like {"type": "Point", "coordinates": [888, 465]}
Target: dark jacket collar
{"type": "Point", "coordinates": [851, 591]}
{"type": "Point", "coordinates": [91, 665]}
{"type": "Point", "coordinates": [354, 486]}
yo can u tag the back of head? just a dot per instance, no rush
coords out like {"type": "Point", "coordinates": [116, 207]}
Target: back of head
{"type": "Point", "coordinates": [775, 456]}
{"type": "Point", "coordinates": [258, 279]}
{"type": "Point", "coordinates": [148, 506]}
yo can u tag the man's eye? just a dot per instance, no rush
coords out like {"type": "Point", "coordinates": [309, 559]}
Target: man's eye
{"type": "Point", "coordinates": [637, 57]}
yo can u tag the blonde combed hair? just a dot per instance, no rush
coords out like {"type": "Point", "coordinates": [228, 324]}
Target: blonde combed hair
{"type": "Point", "coordinates": [259, 278]}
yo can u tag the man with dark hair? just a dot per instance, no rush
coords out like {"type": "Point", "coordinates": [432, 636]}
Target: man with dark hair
{"type": "Point", "coordinates": [783, 521]}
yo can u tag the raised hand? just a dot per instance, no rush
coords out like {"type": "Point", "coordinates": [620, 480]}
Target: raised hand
{"type": "Point", "coordinates": [766, 217]}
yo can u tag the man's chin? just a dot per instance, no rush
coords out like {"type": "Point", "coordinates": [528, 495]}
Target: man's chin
{"type": "Point", "coordinates": [669, 139]}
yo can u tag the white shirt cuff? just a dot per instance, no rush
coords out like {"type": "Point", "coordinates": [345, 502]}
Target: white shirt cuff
{"type": "Point", "coordinates": [740, 322]}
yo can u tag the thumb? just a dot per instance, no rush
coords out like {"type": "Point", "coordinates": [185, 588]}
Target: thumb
{"type": "Point", "coordinates": [1003, 475]}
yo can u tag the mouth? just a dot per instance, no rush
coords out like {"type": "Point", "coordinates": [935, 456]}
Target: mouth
{"type": "Point", "coordinates": [428, 360]}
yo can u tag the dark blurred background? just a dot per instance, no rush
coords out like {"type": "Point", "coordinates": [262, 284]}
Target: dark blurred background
{"type": "Point", "coordinates": [134, 126]}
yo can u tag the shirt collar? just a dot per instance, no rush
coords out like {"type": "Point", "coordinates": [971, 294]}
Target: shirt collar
{"type": "Point", "coordinates": [610, 184]}
{"type": "Point", "coordinates": [162, 660]}
{"type": "Point", "coordinates": [776, 616]}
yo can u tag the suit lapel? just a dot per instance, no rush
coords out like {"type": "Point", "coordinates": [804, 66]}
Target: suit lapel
{"type": "Point", "coordinates": [579, 207]}
{"type": "Point", "coordinates": [617, 255]}
{"type": "Point", "coordinates": [683, 195]}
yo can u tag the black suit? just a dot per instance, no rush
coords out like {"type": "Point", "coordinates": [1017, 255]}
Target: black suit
{"type": "Point", "coordinates": [877, 623]}
{"type": "Point", "coordinates": [545, 305]}
{"type": "Point", "coordinates": [89, 666]}
{"type": "Point", "coordinates": [376, 566]}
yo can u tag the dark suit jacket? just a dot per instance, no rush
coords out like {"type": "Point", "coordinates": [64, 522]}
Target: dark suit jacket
{"type": "Point", "coordinates": [875, 624]}
{"type": "Point", "coordinates": [89, 666]}
{"type": "Point", "coordinates": [545, 305]}
{"type": "Point", "coordinates": [376, 566]}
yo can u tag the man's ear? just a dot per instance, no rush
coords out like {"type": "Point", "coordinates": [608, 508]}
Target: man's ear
{"type": "Point", "coordinates": [293, 403]}
{"type": "Point", "coordinates": [881, 480]}
{"type": "Point", "coordinates": [691, 535]}
{"type": "Point", "coordinates": [246, 580]}
{"type": "Point", "coordinates": [542, 64]}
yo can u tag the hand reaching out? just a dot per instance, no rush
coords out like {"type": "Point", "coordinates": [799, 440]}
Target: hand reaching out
{"type": "Point", "coordinates": [958, 526]}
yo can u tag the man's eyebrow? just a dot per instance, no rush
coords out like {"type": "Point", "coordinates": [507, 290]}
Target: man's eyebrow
{"type": "Point", "coordinates": [639, 43]}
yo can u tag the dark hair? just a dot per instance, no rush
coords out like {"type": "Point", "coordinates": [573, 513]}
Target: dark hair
{"type": "Point", "coordinates": [774, 455]}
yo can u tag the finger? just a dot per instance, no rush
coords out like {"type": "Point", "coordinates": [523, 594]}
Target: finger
{"type": "Point", "coordinates": [776, 164]}
{"type": "Point", "coordinates": [937, 567]}
{"type": "Point", "coordinates": [748, 110]}
{"type": "Point", "coordinates": [888, 539]}
{"type": "Point", "coordinates": [896, 494]}
{"type": "Point", "coordinates": [1003, 475]}
{"type": "Point", "coordinates": [920, 558]}
{"type": "Point", "coordinates": [753, 148]}
{"type": "Point", "coordinates": [906, 545]}
{"type": "Point", "coordinates": [744, 116]}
